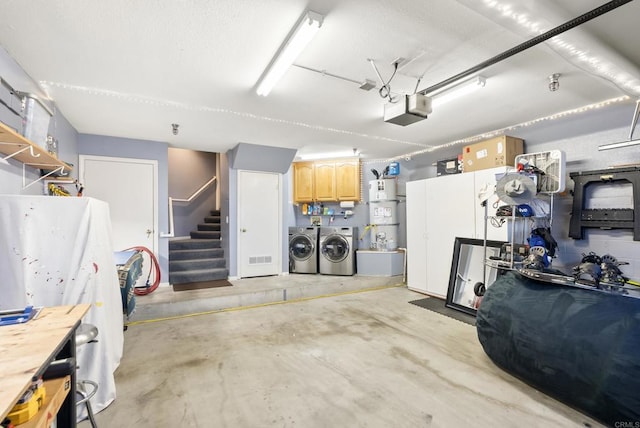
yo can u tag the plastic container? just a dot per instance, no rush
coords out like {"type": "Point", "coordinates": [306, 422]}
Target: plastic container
{"type": "Point", "coordinates": [36, 120]}
{"type": "Point", "coordinates": [394, 168]}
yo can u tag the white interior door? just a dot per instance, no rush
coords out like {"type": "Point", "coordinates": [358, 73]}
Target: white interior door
{"type": "Point", "coordinates": [130, 188]}
{"type": "Point", "coordinates": [260, 223]}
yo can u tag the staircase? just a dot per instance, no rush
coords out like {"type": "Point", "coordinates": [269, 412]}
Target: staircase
{"type": "Point", "coordinates": [198, 258]}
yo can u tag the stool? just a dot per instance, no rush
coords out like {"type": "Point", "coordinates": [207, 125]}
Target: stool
{"type": "Point", "coordinates": [85, 389]}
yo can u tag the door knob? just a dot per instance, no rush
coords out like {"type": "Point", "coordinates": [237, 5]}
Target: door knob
{"type": "Point", "coordinates": [243, 230]}
{"type": "Point", "coordinates": [149, 232]}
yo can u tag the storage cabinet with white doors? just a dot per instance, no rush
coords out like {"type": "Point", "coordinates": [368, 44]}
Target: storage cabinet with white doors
{"type": "Point", "coordinates": [439, 210]}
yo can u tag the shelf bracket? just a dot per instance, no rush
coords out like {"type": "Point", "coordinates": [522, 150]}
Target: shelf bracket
{"type": "Point", "coordinates": [59, 170]}
{"type": "Point", "coordinates": [16, 153]}
{"type": "Point", "coordinates": [34, 155]}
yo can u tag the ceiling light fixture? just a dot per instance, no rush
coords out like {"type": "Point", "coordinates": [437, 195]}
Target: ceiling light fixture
{"type": "Point", "coordinates": [457, 91]}
{"type": "Point", "coordinates": [306, 27]}
{"type": "Point", "coordinates": [630, 141]}
{"type": "Point", "coordinates": [354, 153]}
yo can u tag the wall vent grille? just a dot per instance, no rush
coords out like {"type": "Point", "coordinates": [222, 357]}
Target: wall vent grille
{"type": "Point", "coordinates": [260, 260]}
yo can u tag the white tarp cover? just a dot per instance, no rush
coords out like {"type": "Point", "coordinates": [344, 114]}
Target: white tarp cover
{"type": "Point", "coordinates": [58, 251]}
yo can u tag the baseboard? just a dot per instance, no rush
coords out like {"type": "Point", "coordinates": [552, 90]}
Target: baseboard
{"type": "Point", "coordinates": [235, 278]}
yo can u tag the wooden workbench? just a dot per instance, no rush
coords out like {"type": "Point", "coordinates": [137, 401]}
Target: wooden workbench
{"type": "Point", "coordinates": [27, 349]}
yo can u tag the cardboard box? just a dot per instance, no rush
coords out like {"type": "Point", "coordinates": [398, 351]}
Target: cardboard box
{"type": "Point", "coordinates": [498, 151]}
{"type": "Point", "coordinates": [449, 166]}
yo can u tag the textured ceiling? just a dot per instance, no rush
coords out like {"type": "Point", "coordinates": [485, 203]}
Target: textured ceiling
{"type": "Point", "coordinates": [131, 69]}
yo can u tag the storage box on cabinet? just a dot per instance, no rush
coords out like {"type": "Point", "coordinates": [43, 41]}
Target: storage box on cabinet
{"type": "Point", "coordinates": [498, 151]}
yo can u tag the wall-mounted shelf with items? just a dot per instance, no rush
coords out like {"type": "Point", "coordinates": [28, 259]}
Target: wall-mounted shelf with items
{"type": "Point", "coordinates": [15, 146]}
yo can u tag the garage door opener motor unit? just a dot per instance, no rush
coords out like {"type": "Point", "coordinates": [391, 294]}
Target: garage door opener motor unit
{"type": "Point", "coordinates": [409, 109]}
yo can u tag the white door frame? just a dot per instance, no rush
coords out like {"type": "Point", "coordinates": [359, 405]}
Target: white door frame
{"type": "Point", "coordinates": [153, 163]}
{"type": "Point", "coordinates": [280, 229]}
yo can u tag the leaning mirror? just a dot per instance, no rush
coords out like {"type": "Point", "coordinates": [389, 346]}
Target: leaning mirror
{"type": "Point", "coordinates": [468, 270]}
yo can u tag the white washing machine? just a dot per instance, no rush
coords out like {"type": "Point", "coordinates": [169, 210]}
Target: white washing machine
{"type": "Point", "coordinates": [338, 250]}
{"type": "Point", "coordinates": [303, 249]}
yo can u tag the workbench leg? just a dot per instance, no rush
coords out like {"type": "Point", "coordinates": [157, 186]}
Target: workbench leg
{"type": "Point", "coordinates": [67, 415]}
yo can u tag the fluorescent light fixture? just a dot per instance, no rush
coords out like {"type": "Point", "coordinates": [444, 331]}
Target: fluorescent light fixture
{"type": "Point", "coordinates": [630, 141]}
{"type": "Point", "coordinates": [331, 155]}
{"type": "Point", "coordinates": [457, 91]}
{"type": "Point", "coordinates": [307, 27]}
{"type": "Point", "coordinates": [618, 145]}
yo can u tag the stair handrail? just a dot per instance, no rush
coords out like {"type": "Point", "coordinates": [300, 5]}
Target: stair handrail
{"type": "Point", "coordinates": [197, 192]}
{"type": "Point", "coordinates": [189, 199]}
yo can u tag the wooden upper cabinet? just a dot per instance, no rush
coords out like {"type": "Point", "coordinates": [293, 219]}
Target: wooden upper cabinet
{"type": "Point", "coordinates": [326, 181]}
{"type": "Point", "coordinates": [348, 180]}
{"type": "Point", "coordinates": [303, 179]}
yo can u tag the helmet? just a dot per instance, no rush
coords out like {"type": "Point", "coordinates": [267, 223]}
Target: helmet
{"type": "Point", "coordinates": [524, 210]}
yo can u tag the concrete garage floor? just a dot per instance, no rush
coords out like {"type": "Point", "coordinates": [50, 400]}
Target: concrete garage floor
{"type": "Point", "coordinates": [367, 358]}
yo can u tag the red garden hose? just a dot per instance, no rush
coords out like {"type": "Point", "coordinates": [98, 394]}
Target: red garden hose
{"type": "Point", "coordinates": [155, 267]}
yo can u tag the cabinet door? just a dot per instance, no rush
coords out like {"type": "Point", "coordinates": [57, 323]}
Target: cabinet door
{"type": "Point", "coordinates": [348, 180]}
{"type": "Point", "coordinates": [450, 202]}
{"type": "Point", "coordinates": [303, 181]}
{"type": "Point", "coordinates": [417, 235]}
{"type": "Point", "coordinates": [325, 181]}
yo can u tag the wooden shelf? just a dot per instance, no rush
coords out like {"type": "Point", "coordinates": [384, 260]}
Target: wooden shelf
{"type": "Point", "coordinates": [15, 146]}
{"type": "Point", "coordinates": [56, 392]}
{"type": "Point", "coordinates": [28, 348]}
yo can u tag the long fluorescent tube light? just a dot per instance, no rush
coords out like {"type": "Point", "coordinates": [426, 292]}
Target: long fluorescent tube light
{"type": "Point", "coordinates": [331, 155]}
{"type": "Point", "coordinates": [630, 141]}
{"type": "Point", "coordinates": [457, 91]}
{"type": "Point", "coordinates": [619, 145]}
{"type": "Point", "coordinates": [298, 38]}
